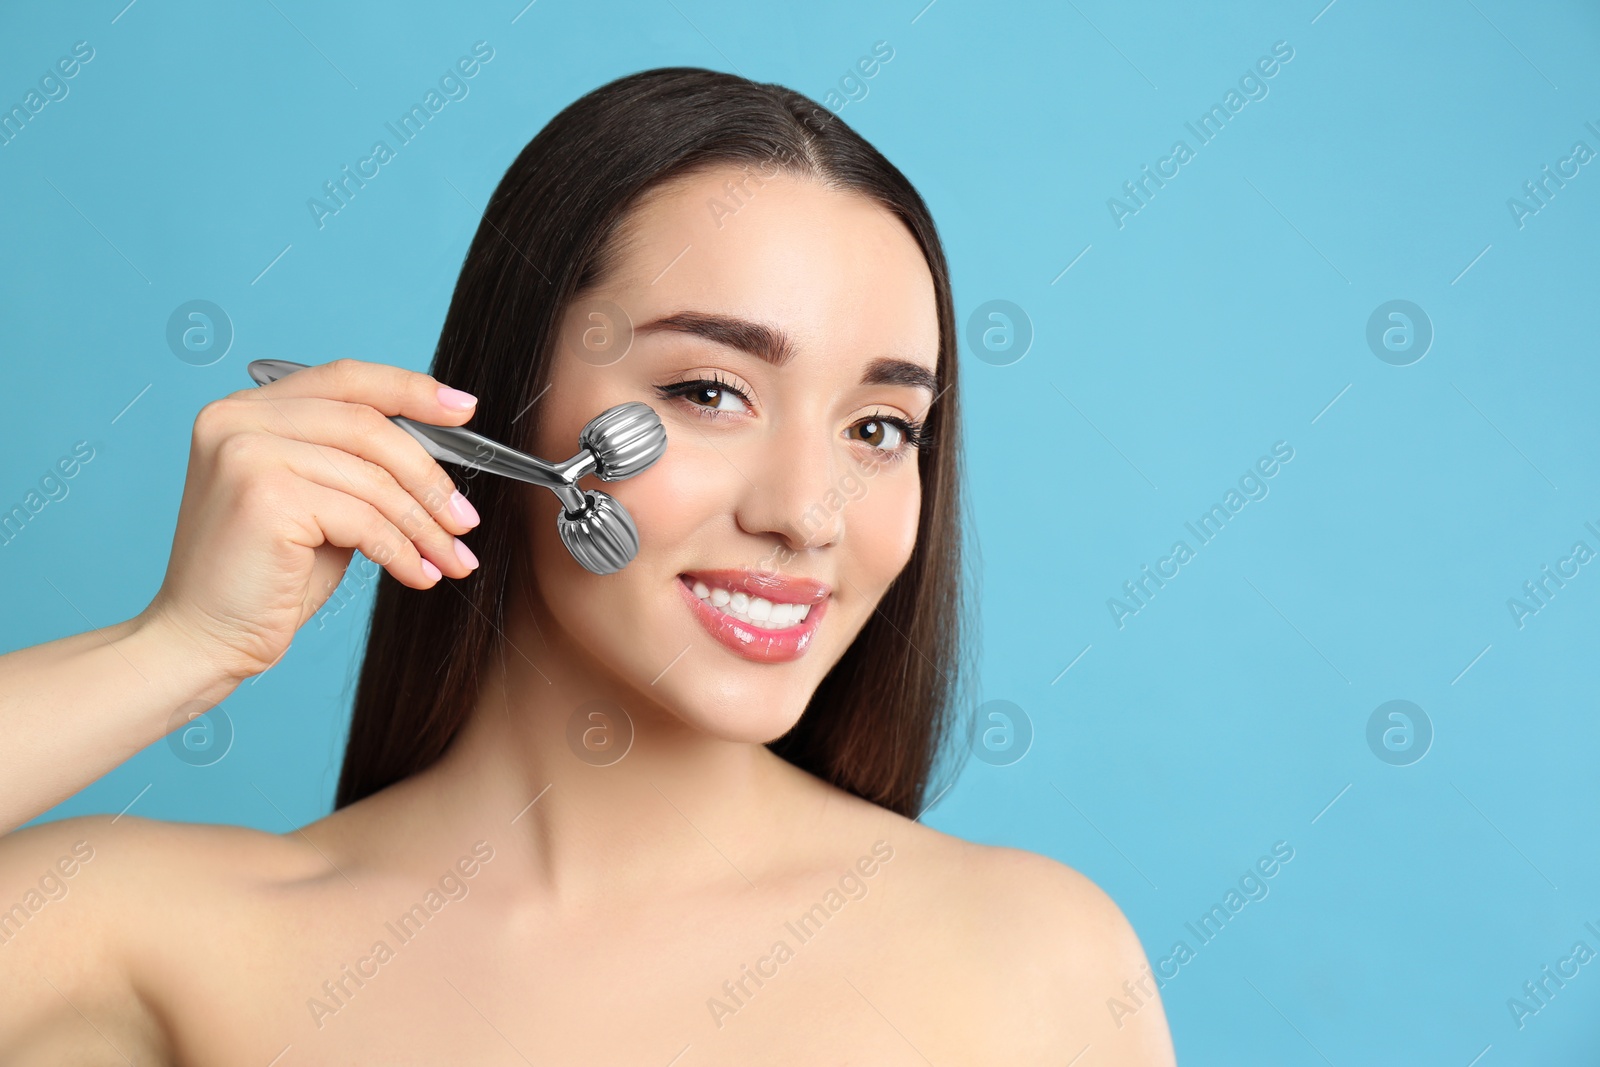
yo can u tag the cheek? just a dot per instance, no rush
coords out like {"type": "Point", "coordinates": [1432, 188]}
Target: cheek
{"type": "Point", "coordinates": [673, 499]}
{"type": "Point", "coordinates": [588, 610]}
{"type": "Point", "coordinates": [670, 503]}
{"type": "Point", "coordinates": [884, 527]}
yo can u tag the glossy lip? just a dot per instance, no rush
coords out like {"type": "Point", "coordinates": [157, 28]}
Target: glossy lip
{"type": "Point", "coordinates": [775, 587]}
{"type": "Point", "coordinates": [762, 646]}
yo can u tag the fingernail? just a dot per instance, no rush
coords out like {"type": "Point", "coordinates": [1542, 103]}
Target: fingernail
{"type": "Point", "coordinates": [464, 554]}
{"type": "Point", "coordinates": [455, 399]}
{"type": "Point", "coordinates": [463, 510]}
{"type": "Point", "coordinates": [431, 571]}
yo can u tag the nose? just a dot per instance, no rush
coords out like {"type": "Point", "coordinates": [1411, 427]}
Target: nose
{"type": "Point", "coordinates": [792, 493]}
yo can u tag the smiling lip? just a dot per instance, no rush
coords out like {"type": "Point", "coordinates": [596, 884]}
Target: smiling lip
{"type": "Point", "coordinates": [775, 587]}
{"type": "Point", "coordinates": [753, 643]}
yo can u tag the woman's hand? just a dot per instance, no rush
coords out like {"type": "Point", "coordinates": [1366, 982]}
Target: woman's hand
{"type": "Point", "coordinates": [285, 480]}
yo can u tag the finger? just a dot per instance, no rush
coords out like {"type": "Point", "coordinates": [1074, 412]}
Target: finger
{"type": "Point", "coordinates": [359, 430]}
{"type": "Point", "coordinates": [338, 470]}
{"type": "Point", "coordinates": [392, 390]}
{"type": "Point", "coordinates": [335, 518]}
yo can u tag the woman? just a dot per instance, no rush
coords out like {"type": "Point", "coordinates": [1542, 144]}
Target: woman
{"type": "Point", "coordinates": [666, 815]}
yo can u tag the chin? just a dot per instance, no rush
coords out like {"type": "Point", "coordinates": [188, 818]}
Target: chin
{"type": "Point", "coordinates": [729, 711]}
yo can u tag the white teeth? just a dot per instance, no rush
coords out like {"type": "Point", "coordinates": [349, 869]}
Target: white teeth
{"type": "Point", "coordinates": [757, 611]}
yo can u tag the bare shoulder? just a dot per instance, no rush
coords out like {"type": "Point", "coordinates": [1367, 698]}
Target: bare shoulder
{"type": "Point", "coordinates": [119, 861]}
{"type": "Point", "coordinates": [1042, 945]}
{"type": "Point", "coordinates": [83, 901]}
{"type": "Point", "coordinates": [1053, 905]}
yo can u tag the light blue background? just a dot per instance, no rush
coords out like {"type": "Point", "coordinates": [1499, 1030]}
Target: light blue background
{"type": "Point", "coordinates": [1228, 314]}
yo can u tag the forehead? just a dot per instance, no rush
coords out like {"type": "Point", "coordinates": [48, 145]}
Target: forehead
{"type": "Point", "coordinates": [837, 272]}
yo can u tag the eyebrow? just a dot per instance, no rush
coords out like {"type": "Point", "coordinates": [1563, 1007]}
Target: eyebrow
{"type": "Point", "coordinates": [775, 347]}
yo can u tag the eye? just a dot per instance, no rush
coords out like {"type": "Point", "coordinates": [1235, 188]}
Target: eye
{"type": "Point", "coordinates": [892, 436]}
{"type": "Point", "coordinates": [881, 433]}
{"type": "Point", "coordinates": [713, 394]}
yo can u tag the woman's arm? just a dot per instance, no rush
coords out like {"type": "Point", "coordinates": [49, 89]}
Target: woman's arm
{"type": "Point", "coordinates": [74, 708]}
{"type": "Point", "coordinates": [284, 483]}
{"type": "Point", "coordinates": [69, 890]}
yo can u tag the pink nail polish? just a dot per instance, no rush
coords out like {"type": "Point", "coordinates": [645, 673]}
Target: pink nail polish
{"type": "Point", "coordinates": [464, 553]}
{"type": "Point", "coordinates": [431, 571]}
{"type": "Point", "coordinates": [463, 510]}
{"type": "Point", "coordinates": [455, 399]}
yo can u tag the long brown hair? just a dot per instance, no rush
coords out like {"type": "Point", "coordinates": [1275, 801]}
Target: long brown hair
{"type": "Point", "coordinates": [880, 723]}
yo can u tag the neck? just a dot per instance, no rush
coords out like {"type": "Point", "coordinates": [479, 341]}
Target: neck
{"type": "Point", "coordinates": [546, 761]}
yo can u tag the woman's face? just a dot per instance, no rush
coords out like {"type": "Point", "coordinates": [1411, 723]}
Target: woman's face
{"type": "Point", "coordinates": [788, 478]}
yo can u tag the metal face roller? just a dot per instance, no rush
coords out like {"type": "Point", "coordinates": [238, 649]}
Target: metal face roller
{"type": "Point", "coordinates": [616, 444]}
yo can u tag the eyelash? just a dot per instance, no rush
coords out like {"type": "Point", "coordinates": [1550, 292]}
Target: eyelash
{"type": "Point", "coordinates": [914, 433]}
